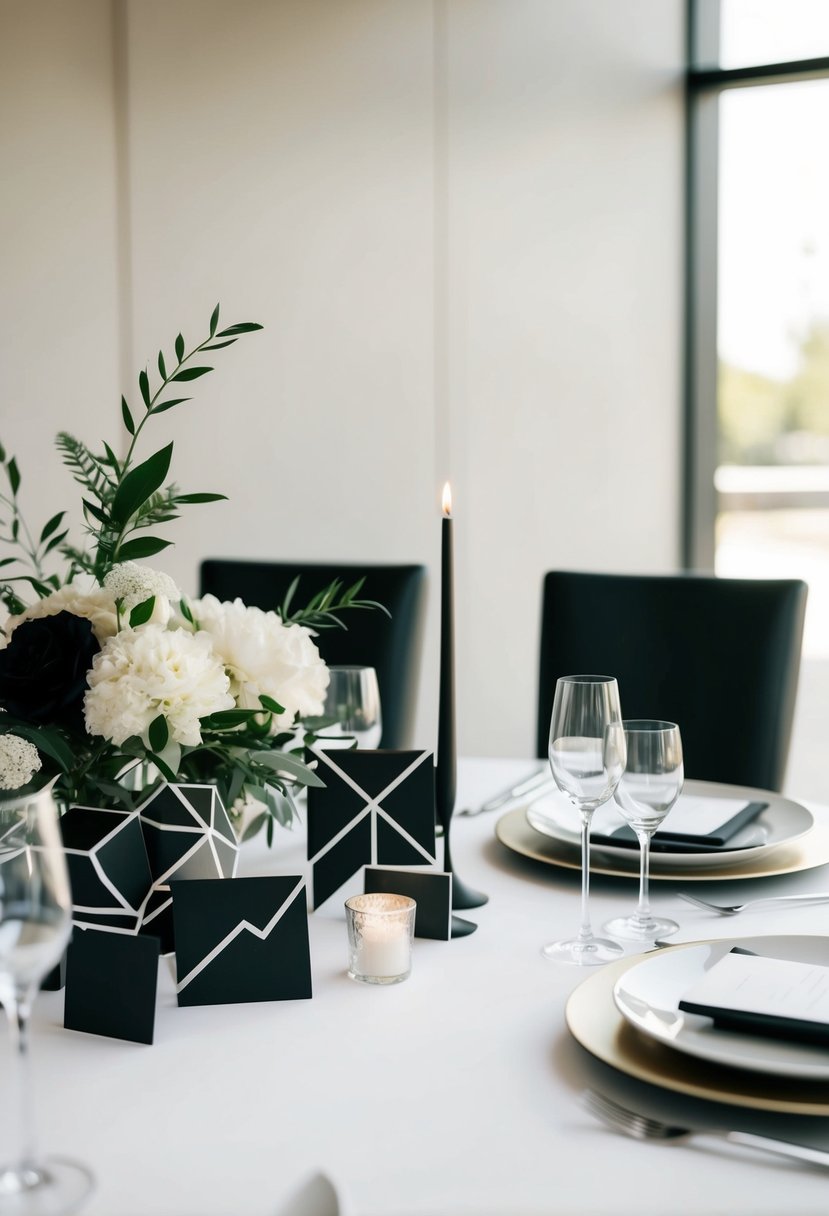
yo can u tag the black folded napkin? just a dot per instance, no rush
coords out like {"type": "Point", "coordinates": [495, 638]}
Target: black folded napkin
{"type": "Point", "coordinates": [666, 841]}
{"type": "Point", "coordinates": [775, 998]}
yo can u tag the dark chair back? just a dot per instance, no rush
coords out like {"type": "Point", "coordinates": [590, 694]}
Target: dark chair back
{"type": "Point", "coordinates": [719, 656]}
{"type": "Point", "coordinates": [391, 645]}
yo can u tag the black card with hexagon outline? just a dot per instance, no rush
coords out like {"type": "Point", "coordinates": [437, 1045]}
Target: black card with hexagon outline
{"type": "Point", "coordinates": [377, 807]}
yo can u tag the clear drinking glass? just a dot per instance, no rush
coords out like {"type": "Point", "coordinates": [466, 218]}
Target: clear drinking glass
{"type": "Point", "coordinates": [587, 762]}
{"type": "Point", "coordinates": [35, 923]}
{"type": "Point", "coordinates": [353, 701]}
{"type": "Point", "coordinates": [649, 787]}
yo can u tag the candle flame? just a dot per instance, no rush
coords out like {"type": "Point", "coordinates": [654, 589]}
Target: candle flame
{"type": "Point", "coordinates": [446, 501]}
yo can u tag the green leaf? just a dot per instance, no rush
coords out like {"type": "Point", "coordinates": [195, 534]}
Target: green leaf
{"type": "Point", "coordinates": [51, 526]}
{"type": "Point", "coordinates": [268, 703]}
{"type": "Point", "coordinates": [184, 609]}
{"type": "Point", "coordinates": [191, 373]}
{"type": "Point", "coordinates": [226, 718]}
{"type": "Point", "coordinates": [159, 733]}
{"type": "Point", "coordinates": [168, 405]}
{"type": "Point", "coordinates": [141, 546]}
{"type": "Point", "coordinates": [179, 348]}
{"type": "Point", "coordinates": [140, 483]}
{"type": "Point", "coordinates": [214, 320]}
{"type": "Point", "coordinates": [53, 544]}
{"type": "Point", "coordinates": [162, 367]}
{"type": "Point", "coordinates": [254, 826]}
{"type": "Point", "coordinates": [50, 742]}
{"type": "Point", "coordinates": [244, 327]}
{"type": "Point", "coordinates": [201, 498]}
{"type": "Point", "coordinates": [140, 614]}
{"type": "Point", "coordinates": [2, 454]}
{"type": "Point", "coordinates": [144, 385]}
{"type": "Point", "coordinates": [127, 416]}
{"type": "Point", "coordinates": [162, 766]}
{"type": "Point", "coordinates": [14, 475]}
{"type": "Point", "coordinates": [112, 459]}
{"type": "Point", "coordinates": [220, 345]}
{"type": "Point", "coordinates": [90, 508]}
{"type": "Point", "coordinates": [284, 762]}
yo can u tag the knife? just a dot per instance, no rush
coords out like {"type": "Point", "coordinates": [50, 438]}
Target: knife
{"type": "Point", "coordinates": [538, 780]}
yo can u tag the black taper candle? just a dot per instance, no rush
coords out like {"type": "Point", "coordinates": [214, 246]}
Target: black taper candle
{"type": "Point", "coordinates": [447, 766]}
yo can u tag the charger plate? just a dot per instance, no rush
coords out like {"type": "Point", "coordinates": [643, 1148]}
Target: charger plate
{"type": "Point", "coordinates": [808, 852]}
{"type": "Point", "coordinates": [596, 1023]}
{"type": "Point", "coordinates": [781, 822]}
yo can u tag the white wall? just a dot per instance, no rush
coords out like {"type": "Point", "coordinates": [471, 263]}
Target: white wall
{"type": "Point", "coordinates": [459, 223]}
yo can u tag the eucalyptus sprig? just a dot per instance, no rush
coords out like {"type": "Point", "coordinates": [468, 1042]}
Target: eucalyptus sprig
{"type": "Point", "coordinates": [321, 610]}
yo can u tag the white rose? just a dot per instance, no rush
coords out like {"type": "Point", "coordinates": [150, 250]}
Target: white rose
{"type": "Point", "coordinates": [263, 655]}
{"type": "Point", "coordinates": [141, 673]}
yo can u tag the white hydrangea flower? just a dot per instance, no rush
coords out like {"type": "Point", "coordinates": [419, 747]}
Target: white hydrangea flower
{"type": "Point", "coordinates": [97, 606]}
{"type": "Point", "coordinates": [263, 655]}
{"type": "Point", "coordinates": [132, 583]}
{"type": "Point", "coordinates": [141, 673]}
{"type": "Point", "coordinates": [19, 761]}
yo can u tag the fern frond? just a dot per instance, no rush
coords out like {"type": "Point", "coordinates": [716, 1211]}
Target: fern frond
{"type": "Point", "coordinates": [86, 468]}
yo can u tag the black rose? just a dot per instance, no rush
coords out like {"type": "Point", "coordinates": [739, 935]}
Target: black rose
{"type": "Point", "coordinates": [43, 670]}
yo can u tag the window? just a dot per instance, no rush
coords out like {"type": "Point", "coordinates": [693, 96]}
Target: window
{"type": "Point", "coordinates": [758, 472]}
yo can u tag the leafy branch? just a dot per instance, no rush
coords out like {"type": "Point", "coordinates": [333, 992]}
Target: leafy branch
{"type": "Point", "coordinates": [321, 610]}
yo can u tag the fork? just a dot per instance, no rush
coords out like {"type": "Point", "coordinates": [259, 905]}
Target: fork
{"type": "Point", "coordinates": [640, 1127]}
{"type": "Point", "coordinates": [822, 897]}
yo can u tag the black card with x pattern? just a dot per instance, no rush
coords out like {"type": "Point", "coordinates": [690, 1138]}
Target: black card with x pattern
{"type": "Point", "coordinates": [377, 807]}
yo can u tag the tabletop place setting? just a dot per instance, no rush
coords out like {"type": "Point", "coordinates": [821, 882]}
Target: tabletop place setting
{"type": "Point", "coordinates": [165, 939]}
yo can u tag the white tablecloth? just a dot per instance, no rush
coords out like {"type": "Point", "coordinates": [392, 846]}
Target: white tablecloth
{"type": "Point", "coordinates": [451, 1094]}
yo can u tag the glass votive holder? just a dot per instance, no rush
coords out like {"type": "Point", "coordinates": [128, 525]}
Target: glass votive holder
{"type": "Point", "coordinates": [380, 933]}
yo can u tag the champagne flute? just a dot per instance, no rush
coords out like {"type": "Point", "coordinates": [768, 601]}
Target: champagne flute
{"type": "Point", "coordinates": [353, 701]}
{"type": "Point", "coordinates": [587, 761]}
{"type": "Point", "coordinates": [35, 924]}
{"type": "Point", "coordinates": [650, 785]}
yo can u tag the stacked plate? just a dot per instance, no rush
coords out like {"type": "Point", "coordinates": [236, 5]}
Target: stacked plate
{"type": "Point", "coordinates": [781, 839]}
{"type": "Point", "coordinates": [629, 1016]}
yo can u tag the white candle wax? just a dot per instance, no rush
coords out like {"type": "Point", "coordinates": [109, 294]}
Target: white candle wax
{"type": "Point", "coordinates": [383, 948]}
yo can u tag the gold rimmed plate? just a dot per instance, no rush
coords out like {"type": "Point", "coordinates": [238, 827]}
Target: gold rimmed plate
{"type": "Point", "coordinates": [596, 1023]}
{"type": "Point", "coordinates": [806, 853]}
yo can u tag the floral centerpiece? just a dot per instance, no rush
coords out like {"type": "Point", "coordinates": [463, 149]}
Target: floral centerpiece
{"type": "Point", "coordinates": [112, 675]}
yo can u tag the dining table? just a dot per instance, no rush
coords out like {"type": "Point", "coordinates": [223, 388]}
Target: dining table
{"type": "Point", "coordinates": [458, 1092]}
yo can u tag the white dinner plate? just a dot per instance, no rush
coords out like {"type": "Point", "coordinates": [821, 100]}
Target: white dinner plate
{"type": "Point", "coordinates": [782, 822]}
{"type": "Point", "coordinates": [648, 998]}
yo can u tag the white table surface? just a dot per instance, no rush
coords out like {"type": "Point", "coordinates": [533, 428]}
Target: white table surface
{"type": "Point", "coordinates": [452, 1094]}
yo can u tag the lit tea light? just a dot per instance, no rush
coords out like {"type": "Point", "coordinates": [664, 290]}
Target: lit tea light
{"type": "Point", "coordinates": [380, 932]}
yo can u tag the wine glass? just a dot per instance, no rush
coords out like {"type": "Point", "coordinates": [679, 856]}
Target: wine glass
{"type": "Point", "coordinates": [649, 787]}
{"type": "Point", "coordinates": [587, 761]}
{"type": "Point", "coordinates": [353, 701]}
{"type": "Point", "coordinates": [35, 923]}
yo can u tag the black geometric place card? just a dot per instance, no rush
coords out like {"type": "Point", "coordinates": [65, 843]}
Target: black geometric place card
{"type": "Point", "coordinates": [108, 867]}
{"type": "Point", "coordinates": [430, 889]}
{"type": "Point", "coordinates": [245, 940]}
{"type": "Point", "coordinates": [376, 807]}
{"type": "Point", "coordinates": [188, 835]}
{"type": "Point", "coordinates": [111, 981]}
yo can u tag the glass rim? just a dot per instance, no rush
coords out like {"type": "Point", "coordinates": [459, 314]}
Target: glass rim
{"type": "Point", "coordinates": [650, 726]}
{"type": "Point", "coordinates": [350, 667]}
{"type": "Point", "coordinates": [586, 679]}
{"type": "Point", "coordinates": [404, 903]}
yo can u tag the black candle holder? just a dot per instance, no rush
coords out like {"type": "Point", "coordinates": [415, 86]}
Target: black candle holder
{"type": "Point", "coordinates": [463, 897]}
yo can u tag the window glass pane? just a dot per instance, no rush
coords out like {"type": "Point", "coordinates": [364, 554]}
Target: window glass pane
{"type": "Point", "coordinates": [754, 32]}
{"type": "Point", "coordinates": [773, 338]}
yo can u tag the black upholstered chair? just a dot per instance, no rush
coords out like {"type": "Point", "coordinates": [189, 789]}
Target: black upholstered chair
{"type": "Point", "coordinates": [391, 645]}
{"type": "Point", "coordinates": [719, 656]}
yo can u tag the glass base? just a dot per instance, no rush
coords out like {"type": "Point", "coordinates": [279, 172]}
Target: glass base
{"type": "Point", "coordinates": [50, 1187]}
{"type": "Point", "coordinates": [632, 929]}
{"type": "Point", "coordinates": [590, 953]}
{"type": "Point", "coordinates": [362, 979]}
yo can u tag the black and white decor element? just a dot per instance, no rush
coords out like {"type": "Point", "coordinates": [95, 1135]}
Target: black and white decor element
{"type": "Point", "coordinates": [377, 807]}
{"type": "Point", "coordinates": [430, 889]}
{"type": "Point", "coordinates": [108, 867]}
{"type": "Point", "coordinates": [188, 835]}
{"type": "Point", "coordinates": [111, 981]}
{"type": "Point", "coordinates": [245, 940]}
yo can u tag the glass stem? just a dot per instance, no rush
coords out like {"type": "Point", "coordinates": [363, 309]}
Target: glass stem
{"type": "Point", "coordinates": [22, 1156]}
{"type": "Point", "coordinates": [643, 912]}
{"type": "Point", "coordinates": [585, 932]}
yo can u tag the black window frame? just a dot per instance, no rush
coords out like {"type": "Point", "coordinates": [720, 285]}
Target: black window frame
{"type": "Point", "coordinates": [704, 86]}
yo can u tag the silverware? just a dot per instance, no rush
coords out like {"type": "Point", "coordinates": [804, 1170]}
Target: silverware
{"type": "Point", "coordinates": [536, 781]}
{"type": "Point", "coordinates": [822, 897]}
{"type": "Point", "coordinates": [642, 1128]}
